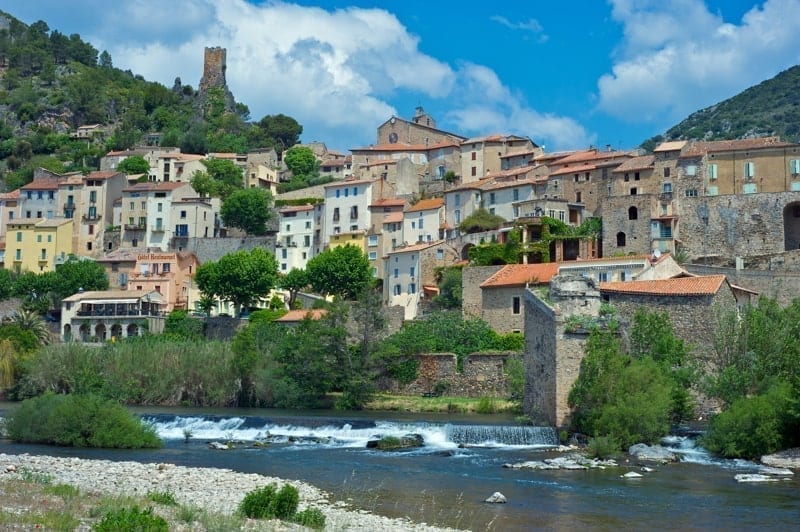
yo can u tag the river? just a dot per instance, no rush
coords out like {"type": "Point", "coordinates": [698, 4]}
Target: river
{"type": "Point", "coordinates": [445, 484]}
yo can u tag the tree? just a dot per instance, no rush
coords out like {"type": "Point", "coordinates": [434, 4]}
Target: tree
{"type": "Point", "coordinates": [76, 274]}
{"type": "Point", "coordinates": [344, 271]}
{"type": "Point", "coordinates": [242, 277]}
{"type": "Point", "coordinates": [247, 209]}
{"type": "Point", "coordinates": [301, 161]}
{"type": "Point", "coordinates": [104, 60]}
{"type": "Point", "coordinates": [220, 179]}
{"type": "Point", "coordinates": [449, 289]}
{"type": "Point", "coordinates": [357, 368]}
{"type": "Point", "coordinates": [135, 164]}
{"type": "Point", "coordinates": [33, 322]}
{"type": "Point", "coordinates": [481, 220]}
{"type": "Point", "coordinates": [293, 282]}
{"type": "Point", "coordinates": [280, 131]}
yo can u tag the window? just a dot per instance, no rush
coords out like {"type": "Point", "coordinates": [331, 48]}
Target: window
{"type": "Point", "coordinates": [397, 289]}
{"type": "Point", "coordinates": [515, 305]}
{"type": "Point", "coordinates": [491, 210]}
{"type": "Point", "coordinates": [338, 192]}
{"type": "Point", "coordinates": [165, 267]}
{"type": "Point", "coordinates": [457, 216]}
{"type": "Point", "coordinates": [372, 240]}
{"type": "Point", "coordinates": [666, 171]}
{"type": "Point", "coordinates": [577, 197]}
{"type": "Point", "coordinates": [183, 214]}
{"type": "Point", "coordinates": [18, 255]}
{"type": "Point", "coordinates": [354, 212]}
{"type": "Point", "coordinates": [19, 236]}
{"type": "Point", "coordinates": [691, 170]}
{"type": "Point", "coordinates": [491, 198]}
{"type": "Point", "coordinates": [794, 166]}
{"type": "Point", "coordinates": [91, 229]}
{"type": "Point", "coordinates": [396, 273]}
{"type": "Point", "coordinates": [39, 194]}
{"type": "Point", "coordinates": [749, 170]}
{"type": "Point", "coordinates": [474, 156]}
{"type": "Point", "coordinates": [515, 194]}
{"type": "Point", "coordinates": [691, 192]}
{"type": "Point", "coordinates": [307, 241]}
{"type": "Point", "coordinates": [284, 253]}
{"type": "Point", "coordinates": [626, 178]}
{"type": "Point", "coordinates": [283, 266]}
{"type": "Point", "coordinates": [577, 177]}
{"type": "Point", "coordinates": [412, 271]}
{"type": "Point", "coordinates": [43, 255]}
{"type": "Point", "coordinates": [749, 188]}
{"type": "Point", "coordinates": [457, 200]}
{"type": "Point", "coordinates": [412, 288]}
{"type": "Point", "coordinates": [88, 246]}
{"type": "Point", "coordinates": [440, 254]}
{"type": "Point", "coordinates": [131, 206]}
{"type": "Point", "coordinates": [355, 191]}
{"type": "Point", "coordinates": [373, 255]}
{"type": "Point", "coordinates": [666, 188]}
{"type": "Point", "coordinates": [620, 239]}
{"type": "Point", "coordinates": [308, 224]}
{"type": "Point", "coordinates": [49, 238]}
{"type": "Point", "coordinates": [712, 171]}
{"type": "Point", "coordinates": [10, 215]}
{"type": "Point", "coordinates": [346, 192]}
{"type": "Point", "coordinates": [633, 191]}
{"type": "Point", "coordinates": [144, 205]}
{"type": "Point", "coordinates": [602, 277]}
{"type": "Point", "coordinates": [421, 221]}
{"type": "Point", "coordinates": [336, 214]}
{"type": "Point", "coordinates": [38, 238]}
{"type": "Point", "coordinates": [636, 176]}
{"type": "Point", "coordinates": [288, 228]}
{"type": "Point", "coordinates": [474, 171]}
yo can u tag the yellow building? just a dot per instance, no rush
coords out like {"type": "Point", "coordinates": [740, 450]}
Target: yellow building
{"type": "Point", "coordinates": [38, 245]}
{"type": "Point", "coordinates": [351, 238]}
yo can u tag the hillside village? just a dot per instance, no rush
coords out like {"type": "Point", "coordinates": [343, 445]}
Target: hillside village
{"type": "Point", "coordinates": [690, 226]}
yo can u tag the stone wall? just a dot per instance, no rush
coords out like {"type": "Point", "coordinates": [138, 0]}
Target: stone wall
{"type": "Point", "coordinates": [498, 309]}
{"type": "Point", "coordinates": [483, 375]}
{"type": "Point", "coordinates": [782, 285]}
{"type": "Point", "coordinates": [212, 249]}
{"type": "Point", "coordinates": [743, 225]}
{"type": "Point", "coordinates": [616, 220]}
{"type": "Point", "coordinates": [214, 66]}
{"type": "Point", "coordinates": [471, 293]}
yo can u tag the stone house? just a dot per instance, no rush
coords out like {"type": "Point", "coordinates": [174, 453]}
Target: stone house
{"type": "Point", "coordinates": [98, 316]}
{"type": "Point", "coordinates": [481, 156]}
{"type": "Point", "coordinates": [410, 271]}
{"type": "Point", "coordinates": [421, 129]}
{"type": "Point", "coordinates": [553, 352]}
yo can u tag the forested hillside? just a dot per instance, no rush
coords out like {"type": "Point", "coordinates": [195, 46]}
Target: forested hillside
{"type": "Point", "coordinates": [51, 83]}
{"type": "Point", "coordinates": [769, 108]}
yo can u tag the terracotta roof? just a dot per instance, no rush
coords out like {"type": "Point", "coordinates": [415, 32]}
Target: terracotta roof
{"type": "Point", "coordinates": [332, 162]}
{"type": "Point", "coordinates": [41, 184]}
{"type": "Point", "coordinates": [517, 154]}
{"type": "Point", "coordinates": [348, 183]}
{"type": "Point", "coordinates": [700, 148]}
{"type": "Point", "coordinates": [54, 222]}
{"type": "Point", "coordinates": [389, 202]}
{"type": "Point", "coordinates": [592, 155]}
{"type": "Point", "coordinates": [377, 163]}
{"type": "Point", "coordinates": [155, 186]}
{"type": "Point", "coordinates": [521, 274]}
{"type": "Point", "coordinates": [14, 194]}
{"type": "Point", "coordinates": [679, 286]}
{"type": "Point", "coordinates": [498, 184]}
{"type": "Point", "coordinates": [670, 146]}
{"type": "Point", "coordinates": [495, 137]}
{"type": "Point", "coordinates": [393, 217]}
{"type": "Point", "coordinates": [300, 315]}
{"type": "Point", "coordinates": [426, 205]}
{"type": "Point", "coordinates": [104, 174]}
{"type": "Point", "coordinates": [644, 162]}
{"type": "Point", "coordinates": [574, 169]}
{"type": "Point", "coordinates": [296, 208]}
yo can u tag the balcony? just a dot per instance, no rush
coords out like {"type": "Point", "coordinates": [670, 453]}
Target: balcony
{"type": "Point", "coordinates": [91, 217]}
{"type": "Point", "coordinates": [134, 227]}
{"type": "Point", "coordinates": [116, 312]}
{"type": "Point", "coordinates": [69, 206]}
{"type": "Point", "coordinates": [665, 197]}
{"type": "Point", "coordinates": [158, 229]}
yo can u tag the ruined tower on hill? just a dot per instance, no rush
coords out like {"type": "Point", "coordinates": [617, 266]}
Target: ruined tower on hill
{"type": "Point", "coordinates": [214, 66]}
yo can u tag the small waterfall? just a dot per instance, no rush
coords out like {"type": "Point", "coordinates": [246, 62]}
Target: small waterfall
{"type": "Point", "coordinates": [502, 434]}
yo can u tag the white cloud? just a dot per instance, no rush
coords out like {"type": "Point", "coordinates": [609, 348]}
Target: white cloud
{"type": "Point", "coordinates": [531, 25]}
{"type": "Point", "coordinates": [678, 57]}
{"type": "Point", "coordinates": [336, 71]}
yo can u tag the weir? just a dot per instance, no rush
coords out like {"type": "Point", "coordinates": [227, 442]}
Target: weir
{"type": "Point", "coordinates": [502, 434]}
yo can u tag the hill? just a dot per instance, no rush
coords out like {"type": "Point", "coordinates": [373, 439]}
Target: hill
{"type": "Point", "coordinates": [51, 83]}
{"type": "Point", "coordinates": [769, 108]}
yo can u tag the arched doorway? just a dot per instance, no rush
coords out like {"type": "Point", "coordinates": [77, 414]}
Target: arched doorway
{"type": "Point", "coordinates": [84, 332]}
{"type": "Point", "coordinates": [791, 226]}
{"type": "Point", "coordinates": [116, 331]}
{"type": "Point", "coordinates": [133, 330]}
{"type": "Point", "coordinates": [465, 251]}
{"type": "Point", "coordinates": [67, 332]}
{"type": "Point", "coordinates": [620, 239]}
{"type": "Point", "coordinates": [100, 332]}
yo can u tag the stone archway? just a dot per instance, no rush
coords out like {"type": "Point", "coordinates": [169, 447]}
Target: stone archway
{"type": "Point", "coordinates": [116, 331]}
{"type": "Point", "coordinates": [100, 332]}
{"type": "Point", "coordinates": [132, 330]}
{"type": "Point", "coordinates": [465, 251]}
{"type": "Point", "coordinates": [67, 332]}
{"type": "Point", "coordinates": [791, 226]}
{"type": "Point", "coordinates": [84, 332]}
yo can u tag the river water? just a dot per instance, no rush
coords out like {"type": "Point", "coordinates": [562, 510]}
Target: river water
{"type": "Point", "coordinates": [444, 483]}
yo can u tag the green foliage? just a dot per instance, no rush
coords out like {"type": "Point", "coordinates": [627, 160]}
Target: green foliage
{"type": "Point", "coordinates": [248, 210]}
{"type": "Point", "coordinates": [221, 178]}
{"type": "Point", "coordinates": [344, 271]}
{"type": "Point", "coordinates": [486, 405]}
{"type": "Point", "coordinates": [495, 253]}
{"type": "Point", "coordinates": [135, 164]}
{"type": "Point", "coordinates": [268, 502]}
{"type": "Point", "coordinates": [78, 273]}
{"type": "Point", "coordinates": [311, 518]}
{"type": "Point", "coordinates": [32, 322]}
{"type": "Point", "coordinates": [405, 370]}
{"type": "Point", "coordinates": [758, 425]}
{"type": "Point", "coordinates": [300, 160]}
{"type": "Point", "coordinates": [450, 289]}
{"type": "Point", "coordinates": [481, 220]}
{"type": "Point", "coordinates": [79, 421]}
{"type": "Point", "coordinates": [180, 324]}
{"type": "Point", "coordinates": [769, 108]}
{"type": "Point", "coordinates": [134, 519]}
{"type": "Point", "coordinates": [515, 377]}
{"type": "Point", "coordinates": [294, 281]}
{"type": "Point", "coordinates": [22, 340]}
{"type": "Point", "coordinates": [602, 447]}
{"type": "Point", "coordinates": [166, 498]}
{"type": "Point", "coordinates": [242, 277]}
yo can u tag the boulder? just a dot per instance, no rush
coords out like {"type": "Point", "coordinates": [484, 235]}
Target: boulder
{"type": "Point", "coordinates": [631, 474]}
{"type": "Point", "coordinates": [779, 471]}
{"type": "Point", "coordinates": [11, 468]}
{"type": "Point", "coordinates": [393, 443]}
{"type": "Point", "coordinates": [497, 498]}
{"type": "Point", "coordinates": [218, 446]}
{"type": "Point", "coordinates": [788, 459]}
{"type": "Point", "coordinates": [532, 464]}
{"type": "Point", "coordinates": [654, 453]}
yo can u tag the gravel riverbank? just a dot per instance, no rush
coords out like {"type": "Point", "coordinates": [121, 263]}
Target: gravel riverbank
{"type": "Point", "coordinates": [215, 490]}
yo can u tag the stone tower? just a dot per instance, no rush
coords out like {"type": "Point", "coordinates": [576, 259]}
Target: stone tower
{"type": "Point", "coordinates": [214, 65]}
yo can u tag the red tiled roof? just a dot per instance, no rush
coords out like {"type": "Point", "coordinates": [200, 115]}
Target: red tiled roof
{"type": "Point", "coordinates": [592, 155]}
{"type": "Point", "coordinates": [155, 187]}
{"type": "Point", "coordinates": [700, 148]}
{"type": "Point", "coordinates": [679, 286]}
{"type": "Point", "coordinates": [637, 163]}
{"type": "Point", "coordinates": [300, 315]}
{"type": "Point", "coordinates": [393, 217]}
{"type": "Point", "coordinates": [347, 182]}
{"type": "Point", "coordinates": [574, 169]}
{"type": "Point", "coordinates": [521, 274]}
{"type": "Point", "coordinates": [389, 202]}
{"type": "Point", "coordinates": [14, 194]}
{"type": "Point", "coordinates": [41, 184]}
{"type": "Point", "coordinates": [104, 174]}
{"type": "Point", "coordinates": [416, 247]}
{"type": "Point", "coordinates": [426, 205]}
{"type": "Point", "coordinates": [296, 208]}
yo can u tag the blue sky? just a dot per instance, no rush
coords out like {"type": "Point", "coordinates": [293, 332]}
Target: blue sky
{"type": "Point", "coordinates": [566, 74]}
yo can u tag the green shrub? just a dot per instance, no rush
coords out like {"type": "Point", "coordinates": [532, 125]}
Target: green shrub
{"type": "Point", "coordinates": [79, 421]}
{"type": "Point", "coordinates": [258, 503]}
{"type": "Point", "coordinates": [132, 519]}
{"type": "Point", "coordinates": [286, 500]}
{"type": "Point", "coordinates": [486, 405]}
{"type": "Point", "coordinates": [311, 518]}
{"type": "Point", "coordinates": [162, 497]}
{"type": "Point", "coordinates": [65, 491]}
{"type": "Point", "coordinates": [602, 447]}
{"type": "Point", "coordinates": [754, 426]}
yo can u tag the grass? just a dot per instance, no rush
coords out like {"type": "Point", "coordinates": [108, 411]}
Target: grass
{"type": "Point", "coordinates": [444, 404]}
